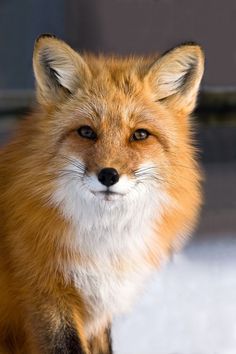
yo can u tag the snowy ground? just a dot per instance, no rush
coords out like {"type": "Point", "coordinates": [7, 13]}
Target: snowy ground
{"type": "Point", "coordinates": [189, 307]}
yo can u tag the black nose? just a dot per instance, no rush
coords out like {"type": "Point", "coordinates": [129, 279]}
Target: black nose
{"type": "Point", "coordinates": [108, 176]}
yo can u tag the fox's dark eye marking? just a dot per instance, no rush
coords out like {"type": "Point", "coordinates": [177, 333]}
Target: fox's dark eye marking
{"type": "Point", "coordinates": [139, 134]}
{"type": "Point", "coordinates": [87, 132]}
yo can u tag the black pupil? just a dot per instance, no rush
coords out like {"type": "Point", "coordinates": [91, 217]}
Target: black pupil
{"type": "Point", "coordinates": [140, 134]}
{"type": "Point", "coordinates": [87, 132]}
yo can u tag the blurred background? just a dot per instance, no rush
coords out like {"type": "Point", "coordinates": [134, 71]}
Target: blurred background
{"type": "Point", "coordinates": [190, 306]}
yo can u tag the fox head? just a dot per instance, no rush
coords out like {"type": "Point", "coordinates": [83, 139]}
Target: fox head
{"type": "Point", "coordinates": [117, 129]}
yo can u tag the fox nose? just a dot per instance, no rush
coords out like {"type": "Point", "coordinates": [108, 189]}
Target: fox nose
{"type": "Point", "coordinates": [108, 176]}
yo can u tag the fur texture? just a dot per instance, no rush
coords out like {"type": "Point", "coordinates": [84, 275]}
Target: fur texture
{"type": "Point", "coordinates": [74, 252]}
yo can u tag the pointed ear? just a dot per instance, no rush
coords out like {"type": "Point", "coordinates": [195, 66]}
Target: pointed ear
{"type": "Point", "coordinates": [175, 77]}
{"type": "Point", "coordinates": [58, 70]}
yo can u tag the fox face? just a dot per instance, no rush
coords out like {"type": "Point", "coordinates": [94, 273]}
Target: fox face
{"type": "Point", "coordinates": [112, 152]}
{"type": "Point", "coordinates": [118, 155]}
{"type": "Point", "coordinates": [119, 128]}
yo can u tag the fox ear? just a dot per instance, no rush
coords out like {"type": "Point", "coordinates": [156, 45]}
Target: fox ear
{"type": "Point", "coordinates": [175, 77]}
{"type": "Point", "coordinates": [58, 69]}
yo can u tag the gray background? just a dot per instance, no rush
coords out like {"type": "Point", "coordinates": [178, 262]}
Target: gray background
{"type": "Point", "coordinates": [21, 21]}
{"type": "Point", "coordinates": [118, 26]}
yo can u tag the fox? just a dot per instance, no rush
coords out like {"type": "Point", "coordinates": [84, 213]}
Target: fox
{"type": "Point", "coordinates": [98, 187]}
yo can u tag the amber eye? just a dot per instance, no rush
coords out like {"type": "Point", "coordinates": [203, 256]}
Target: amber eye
{"type": "Point", "coordinates": [139, 134]}
{"type": "Point", "coordinates": [87, 132]}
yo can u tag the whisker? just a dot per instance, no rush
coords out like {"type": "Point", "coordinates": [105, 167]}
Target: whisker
{"type": "Point", "coordinates": [144, 169]}
{"type": "Point", "coordinates": [74, 162]}
{"type": "Point", "coordinates": [63, 173]}
{"type": "Point", "coordinates": [151, 179]}
{"type": "Point", "coordinates": [65, 157]}
{"type": "Point", "coordinates": [150, 176]}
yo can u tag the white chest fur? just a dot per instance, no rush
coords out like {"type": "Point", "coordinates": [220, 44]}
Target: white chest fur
{"type": "Point", "coordinates": [114, 236]}
{"type": "Point", "coordinates": [117, 267]}
{"type": "Point", "coordinates": [110, 280]}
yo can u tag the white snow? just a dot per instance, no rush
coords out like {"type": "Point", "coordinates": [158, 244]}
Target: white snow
{"type": "Point", "coordinates": [190, 305]}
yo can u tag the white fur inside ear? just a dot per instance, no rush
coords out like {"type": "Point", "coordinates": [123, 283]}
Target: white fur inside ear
{"type": "Point", "coordinates": [174, 74]}
{"type": "Point", "coordinates": [65, 77]}
{"type": "Point", "coordinates": [62, 67]}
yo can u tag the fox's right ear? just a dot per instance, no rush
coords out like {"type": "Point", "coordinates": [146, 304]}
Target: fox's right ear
{"type": "Point", "coordinates": [58, 70]}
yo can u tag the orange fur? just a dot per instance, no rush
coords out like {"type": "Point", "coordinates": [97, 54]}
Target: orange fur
{"type": "Point", "coordinates": [114, 96]}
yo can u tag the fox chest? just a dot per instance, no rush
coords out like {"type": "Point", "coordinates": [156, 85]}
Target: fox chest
{"type": "Point", "coordinates": [116, 269]}
{"type": "Point", "coordinates": [108, 290]}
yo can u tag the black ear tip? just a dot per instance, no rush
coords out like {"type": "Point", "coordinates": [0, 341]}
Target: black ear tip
{"type": "Point", "coordinates": [191, 44]}
{"type": "Point", "coordinates": [45, 35]}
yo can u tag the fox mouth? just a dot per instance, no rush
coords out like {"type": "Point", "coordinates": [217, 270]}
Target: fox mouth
{"type": "Point", "coordinates": [108, 195]}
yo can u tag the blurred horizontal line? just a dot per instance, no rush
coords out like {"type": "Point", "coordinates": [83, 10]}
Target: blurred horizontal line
{"type": "Point", "coordinates": [12, 101]}
{"type": "Point", "coordinates": [218, 89]}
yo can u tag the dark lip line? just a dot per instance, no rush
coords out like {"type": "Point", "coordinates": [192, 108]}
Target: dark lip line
{"type": "Point", "coordinates": [107, 192]}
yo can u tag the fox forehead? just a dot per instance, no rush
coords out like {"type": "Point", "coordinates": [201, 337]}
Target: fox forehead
{"type": "Point", "coordinates": [115, 91]}
{"type": "Point", "coordinates": [117, 111]}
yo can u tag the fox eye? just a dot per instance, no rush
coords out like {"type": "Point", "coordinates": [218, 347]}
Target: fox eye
{"type": "Point", "coordinates": [87, 132]}
{"type": "Point", "coordinates": [139, 134]}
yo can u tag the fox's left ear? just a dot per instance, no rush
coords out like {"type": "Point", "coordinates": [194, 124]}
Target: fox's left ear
{"type": "Point", "coordinates": [58, 70]}
{"type": "Point", "coordinates": [175, 77]}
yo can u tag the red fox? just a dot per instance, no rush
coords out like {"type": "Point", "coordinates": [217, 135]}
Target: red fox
{"type": "Point", "coordinates": [98, 187]}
